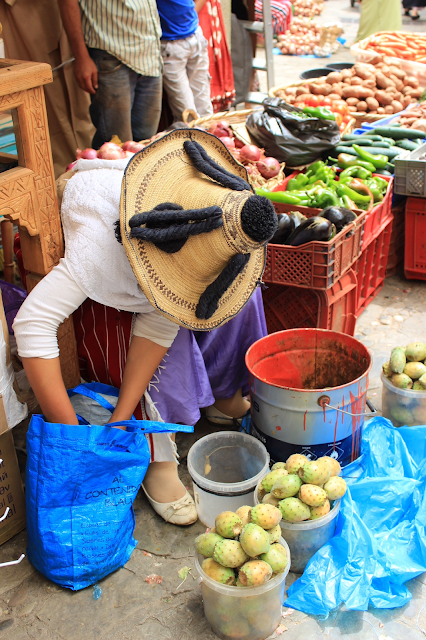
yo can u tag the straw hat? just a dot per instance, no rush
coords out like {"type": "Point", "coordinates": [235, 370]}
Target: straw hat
{"type": "Point", "coordinates": [192, 228]}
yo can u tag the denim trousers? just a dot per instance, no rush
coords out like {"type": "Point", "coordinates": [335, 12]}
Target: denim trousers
{"type": "Point", "coordinates": [126, 103]}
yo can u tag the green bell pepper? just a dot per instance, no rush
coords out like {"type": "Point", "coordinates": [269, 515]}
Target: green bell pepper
{"type": "Point", "coordinates": [354, 172]}
{"type": "Point", "coordinates": [379, 161]}
{"type": "Point", "coordinates": [322, 198]}
{"type": "Point", "coordinates": [295, 184]}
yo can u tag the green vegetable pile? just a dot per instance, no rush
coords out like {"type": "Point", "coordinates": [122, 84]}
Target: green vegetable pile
{"type": "Point", "coordinates": [321, 186]}
{"type": "Point", "coordinates": [376, 150]}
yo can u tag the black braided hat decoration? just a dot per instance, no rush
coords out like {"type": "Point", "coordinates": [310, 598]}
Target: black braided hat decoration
{"type": "Point", "coordinates": [168, 226]}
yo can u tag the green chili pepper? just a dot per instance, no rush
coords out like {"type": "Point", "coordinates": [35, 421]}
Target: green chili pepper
{"type": "Point", "coordinates": [354, 172]}
{"type": "Point", "coordinates": [314, 168]}
{"type": "Point", "coordinates": [279, 196]}
{"type": "Point", "coordinates": [379, 161]}
{"type": "Point", "coordinates": [382, 183]}
{"type": "Point", "coordinates": [324, 198]}
{"type": "Point", "coordinates": [319, 112]}
{"type": "Point", "coordinates": [344, 190]}
{"type": "Point", "coordinates": [297, 183]}
{"type": "Point", "coordinates": [345, 161]}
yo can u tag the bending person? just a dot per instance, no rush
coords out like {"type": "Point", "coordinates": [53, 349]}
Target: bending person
{"type": "Point", "coordinates": [193, 253]}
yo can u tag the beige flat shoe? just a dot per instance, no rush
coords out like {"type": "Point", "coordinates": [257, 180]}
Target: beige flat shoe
{"type": "Point", "coordinates": [181, 512]}
{"type": "Point", "coordinates": [217, 417]}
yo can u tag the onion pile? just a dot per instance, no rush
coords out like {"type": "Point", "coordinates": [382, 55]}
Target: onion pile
{"type": "Point", "coordinates": [307, 8]}
{"type": "Point", "coordinates": [301, 38]}
{"type": "Point", "coordinates": [109, 151]}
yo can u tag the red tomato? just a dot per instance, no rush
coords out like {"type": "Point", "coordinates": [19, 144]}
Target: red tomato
{"type": "Point", "coordinates": [339, 106]}
{"type": "Point", "coordinates": [339, 118]}
{"type": "Point", "coordinates": [312, 101]}
{"type": "Point", "coordinates": [326, 102]}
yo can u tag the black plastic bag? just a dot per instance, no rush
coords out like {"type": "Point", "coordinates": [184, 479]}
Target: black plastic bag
{"type": "Point", "coordinates": [289, 136]}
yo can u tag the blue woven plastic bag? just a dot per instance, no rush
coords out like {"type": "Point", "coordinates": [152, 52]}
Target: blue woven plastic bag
{"type": "Point", "coordinates": [81, 482]}
{"type": "Point", "coordinates": [380, 540]}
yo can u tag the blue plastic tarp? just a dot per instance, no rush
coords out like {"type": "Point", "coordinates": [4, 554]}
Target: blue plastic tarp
{"type": "Point", "coordinates": [380, 540]}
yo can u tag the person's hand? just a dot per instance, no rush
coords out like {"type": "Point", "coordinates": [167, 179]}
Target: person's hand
{"type": "Point", "coordinates": [86, 74]}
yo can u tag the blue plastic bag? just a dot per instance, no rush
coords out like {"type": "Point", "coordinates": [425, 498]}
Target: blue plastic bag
{"type": "Point", "coordinates": [380, 540]}
{"type": "Point", "coordinates": [81, 482]}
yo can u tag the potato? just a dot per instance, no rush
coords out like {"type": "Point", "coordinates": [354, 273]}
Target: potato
{"type": "Point", "coordinates": [372, 104]}
{"type": "Point", "coordinates": [419, 124]}
{"type": "Point", "coordinates": [413, 93]}
{"type": "Point", "coordinates": [347, 81]}
{"type": "Point", "coordinates": [385, 69]}
{"type": "Point", "coordinates": [352, 109]}
{"type": "Point", "coordinates": [346, 73]}
{"type": "Point", "coordinates": [334, 96]}
{"type": "Point", "coordinates": [357, 92]}
{"type": "Point", "coordinates": [411, 81]}
{"type": "Point", "coordinates": [371, 84]}
{"type": "Point", "coordinates": [397, 82]}
{"type": "Point", "coordinates": [352, 102]}
{"type": "Point", "coordinates": [302, 97]}
{"type": "Point", "coordinates": [291, 91]}
{"type": "Point", "coordinates": [389, 109]}
{"type": "Point", "coordinates": [334, 77]}
{"type": "Point", "coordinates": [383, 98]}
{"type": "Point", "coordinates": [380, 110]}
{"type": "Point", "coordinates": [357, 81]}
{"type": "Point", "coordinates": [391, 90]}
{"type": "Point", "coordinates": [399, 73]}
{"type": "Point", "coordinates": [362, 106]}
{"type": "Point", "coordinates": [397, 106]}
{"type": "Point", "coordinates": [382, 81]}
{"type": "Point", "coordinates": [320, 89]}
{"type": "Point", "coordinates": [364, 71]}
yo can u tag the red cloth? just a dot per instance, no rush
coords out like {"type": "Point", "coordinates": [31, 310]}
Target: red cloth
{"type": "Point", "coordinates": [222, 89]}
{"type": "Point", "coordinates": [282, 14]}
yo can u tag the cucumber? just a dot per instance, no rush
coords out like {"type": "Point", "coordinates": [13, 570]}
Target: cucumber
{"type": "Point", "coordinates": [409, 145]}
{"type": "Point", "coordinates": [399, 134]}
{"type": "Point", "coordinates": [354, 137]}
{"type": "Point", "coordinates": [383, 172]}
{"type": "Point", "coordinates": [361, 141]}
{"type": "Point", "coordinates": [390, 152]}
{"type": "Point", "coordinates": [343, 149]}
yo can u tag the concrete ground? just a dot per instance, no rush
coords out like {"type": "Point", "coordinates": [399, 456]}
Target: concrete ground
{"type": "Point", "coordinates": [32, 608]}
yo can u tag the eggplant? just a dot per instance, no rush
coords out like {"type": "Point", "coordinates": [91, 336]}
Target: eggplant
{"type": "Point", "coordinates": [340, 216]}
{"type": "Point", "coordinates": [315, 228]}
{"type": "Point", "coordinates": [297, 218]}
{"type": "Point", "coordinates": [286, 226]}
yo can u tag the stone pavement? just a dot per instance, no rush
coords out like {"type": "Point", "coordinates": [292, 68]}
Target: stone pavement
{"type": "Point", "coordinates": [32, 608]}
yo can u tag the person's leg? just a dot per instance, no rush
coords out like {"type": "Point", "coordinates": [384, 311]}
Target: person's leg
{"type": "Point", "coordinates": [175, 78]}
{"type": "Point", "coordinates": [198, 74]}
{"type": "Point", "coordinates": [111, 106]}
{"type": "Point", "coordinates": [146, 109]}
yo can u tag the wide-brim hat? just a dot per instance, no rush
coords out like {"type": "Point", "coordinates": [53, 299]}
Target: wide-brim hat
{"type": "Point", "coordinates": [176, 274]}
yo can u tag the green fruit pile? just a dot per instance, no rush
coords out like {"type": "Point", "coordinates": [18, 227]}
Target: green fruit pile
{"type": "Point", "coordinates": [301, 488]}
{"type": "Point", "coordinates": [242, 549]}
{"type": "Point", "coordinates": [406, 368]}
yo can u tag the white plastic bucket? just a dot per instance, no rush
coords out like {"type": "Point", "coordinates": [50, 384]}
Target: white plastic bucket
{"type": "Point", "coordinates": [305, 538]}
{"type": "Point", "coordinates": [225, 468]}
{"type": "Point", "coordinates": [247, 613]}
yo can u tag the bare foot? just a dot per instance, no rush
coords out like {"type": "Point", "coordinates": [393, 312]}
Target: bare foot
{"type": "Point", "coordinates": [234, 407]}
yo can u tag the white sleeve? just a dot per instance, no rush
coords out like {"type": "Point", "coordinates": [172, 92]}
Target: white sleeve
{"type": "Point", "coordinates": [155, 327]}
{"type": "Point", "coordinates": [55, 298]}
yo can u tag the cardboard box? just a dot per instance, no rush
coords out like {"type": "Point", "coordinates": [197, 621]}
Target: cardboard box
{"type": "Point", "coordinates": [11, 491]}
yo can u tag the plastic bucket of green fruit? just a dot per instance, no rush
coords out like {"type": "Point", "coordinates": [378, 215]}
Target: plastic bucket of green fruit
{"type": "Point", "coordinates": [305, 538]}
{"type": "Point", "coordinates": [247, 613]}
{"type": "Point", "coordinates": [403, 406]}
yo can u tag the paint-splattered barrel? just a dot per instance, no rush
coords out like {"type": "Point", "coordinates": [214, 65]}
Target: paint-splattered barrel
{"type": "Point", "coordinates": [308, 390]}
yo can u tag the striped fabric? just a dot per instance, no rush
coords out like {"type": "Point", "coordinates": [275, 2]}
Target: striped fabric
{"type": "Point", "coordinates": [128, 29]}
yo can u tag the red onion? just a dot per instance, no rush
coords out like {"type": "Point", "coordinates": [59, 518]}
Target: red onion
{"type": "Point", "coordinates": [238, 143]}
{"type": "Point", "coordinates": [133, 146]}
{"type": "Point", "coordinates": [89, 154]}
{"type": "Point", "coordinates": [228, 142]}
{"type": "Point", "coordinates": [78, 153]}
{"type": "Point", "coordinates": [111, 151]}
{"type": "Point", "coordinates": [71, 165]}
{"type": "Point", "coordinates": [268, 168]}
{"type": "Point", "coordinates": [220, 128]}
{"type": "Point", "coordinates": [249, 153]}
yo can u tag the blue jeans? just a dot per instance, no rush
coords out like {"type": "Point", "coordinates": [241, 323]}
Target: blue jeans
{"type": "Point", "coordinates": [126, 103]}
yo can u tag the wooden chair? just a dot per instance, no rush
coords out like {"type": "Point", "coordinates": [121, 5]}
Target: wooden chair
{"type": "Point", "coordinates": [28, 192]}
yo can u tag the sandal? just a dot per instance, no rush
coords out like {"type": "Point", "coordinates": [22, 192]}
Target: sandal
{"type": "Point", "coordinates": [217, 417]}
{"type": "Point", "coordinates": [181, 512]}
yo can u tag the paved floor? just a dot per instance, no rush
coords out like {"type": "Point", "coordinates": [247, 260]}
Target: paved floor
{"type": "Point", "coordinates": [31, 607]}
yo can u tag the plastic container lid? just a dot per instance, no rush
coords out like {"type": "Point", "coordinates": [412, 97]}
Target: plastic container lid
{"type": "Point", "coordinates": [246, 458]}
{"type": "Point", "coordinates": [315, 73]}
{"type": "Point", "coordinates": [407, 393]}
{"type": "Point", "coordinates": [243, 592]}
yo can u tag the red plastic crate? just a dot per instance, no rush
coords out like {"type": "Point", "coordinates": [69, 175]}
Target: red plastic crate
{"type": "Point", "coordinates": [371, 267]}
{"type": "Point", "coordinates": [294, 307]}
{"type": "Point", "coordinates": [396, 247]}
{"type": "Point", "coordinates": [377, 217]}
{"type": "Point", "coordinates": [415, 239]}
